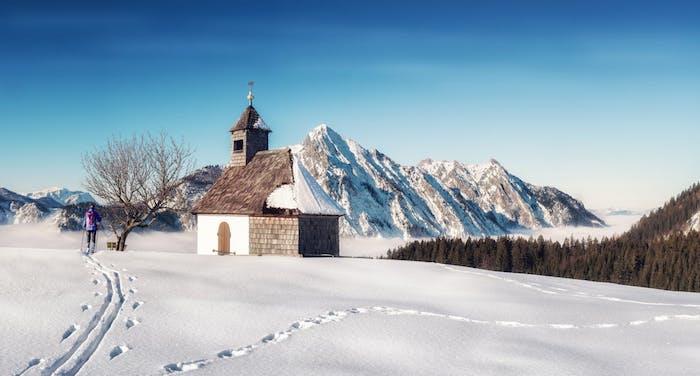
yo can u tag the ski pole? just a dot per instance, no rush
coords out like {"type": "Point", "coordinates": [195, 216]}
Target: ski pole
{"type": "Point", "coordinates": [82, 239]}
{"type": "Point", "coordinates": [97, 231]}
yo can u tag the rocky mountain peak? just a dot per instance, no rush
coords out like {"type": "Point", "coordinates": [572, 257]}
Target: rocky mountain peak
{"type": "Point", "coordinates": [434, 198]}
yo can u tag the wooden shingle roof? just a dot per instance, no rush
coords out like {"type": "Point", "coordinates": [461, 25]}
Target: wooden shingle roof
{"type": "Point", "coordinates": [250, 119]}
{"type": "Point", "coordinates": [244, 190]}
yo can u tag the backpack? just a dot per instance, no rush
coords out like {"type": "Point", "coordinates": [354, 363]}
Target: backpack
{"type": "Point", "coordinates": [90, 219]}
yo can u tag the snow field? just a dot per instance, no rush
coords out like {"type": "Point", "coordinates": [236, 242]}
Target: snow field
{"type": "Point", "coordinates": [260, 315]}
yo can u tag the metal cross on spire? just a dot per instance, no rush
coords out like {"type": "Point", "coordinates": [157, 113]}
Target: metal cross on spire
{"type": "Point", "coordinates": [250, 92]}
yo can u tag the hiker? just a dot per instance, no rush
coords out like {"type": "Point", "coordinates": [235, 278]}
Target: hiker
{"type": "Point", "coordinates": [90, 222]}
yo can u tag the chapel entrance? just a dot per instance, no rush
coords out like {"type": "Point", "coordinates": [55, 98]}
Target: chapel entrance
{"type": "Point", "coordinates": [224, 235]}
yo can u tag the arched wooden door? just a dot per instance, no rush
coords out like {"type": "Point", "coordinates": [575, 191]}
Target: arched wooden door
{"type": "Point", "coordinates": [224, 235]}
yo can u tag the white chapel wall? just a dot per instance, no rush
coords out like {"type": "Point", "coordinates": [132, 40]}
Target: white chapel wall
{"type": "Point", "coordinates": [208, 227]}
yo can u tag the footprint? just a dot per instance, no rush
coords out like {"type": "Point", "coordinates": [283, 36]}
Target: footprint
{"type": "Point", "coordinates": [95, 282]}
{"type": "Point", "coordinates": [32, 363]}
{"type": "Point", "coordinates": [85, 307]}
{"type": "Point", "coordinates": [185, 366]}
{"type": "Point", "coordinates": [118, 350]}
{"type": "Point", "coordinates": [133, 290]}
{"type": "Point", "coordinates": [69, 332]}
{"type": "Point", "coordinates": [130, 323]}
{"type": "Point", "coordinates": [132, 278]}
{"type": "Point", "coordinates": [235, 353]}
{"type": "Point", "coordinates": [136, 305]}
{"type": "Point", "coordinates": [276, 337]}
{"type": "Point", "coordinates": [305, 324]}
{"type": "Point", "coordinates": [97, 293]}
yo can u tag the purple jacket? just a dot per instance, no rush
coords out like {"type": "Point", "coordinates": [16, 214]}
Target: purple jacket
{"type": "Point", "coordinates": [91, 220]}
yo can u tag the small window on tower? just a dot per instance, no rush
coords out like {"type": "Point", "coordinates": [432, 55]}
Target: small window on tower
{"type": "Point", "coordinates": [238, 145]}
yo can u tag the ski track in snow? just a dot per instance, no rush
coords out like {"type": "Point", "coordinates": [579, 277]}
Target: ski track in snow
{"type": "Point", "coordinates": [560, 291]}
{"type": "Point", "coordinates": [78, 354]}
{"type": "Point", "coordinates": [335, 316]}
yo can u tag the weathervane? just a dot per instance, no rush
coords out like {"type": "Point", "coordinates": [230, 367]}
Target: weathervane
{"type": "Point", "coordinates": [250, 92]}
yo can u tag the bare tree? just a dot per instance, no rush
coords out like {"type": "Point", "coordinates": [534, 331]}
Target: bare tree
{"type": "Point", "coordinates": [137, 178]}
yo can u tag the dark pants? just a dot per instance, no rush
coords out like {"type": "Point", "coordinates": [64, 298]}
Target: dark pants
{"type": "Point", "coordinates": [91, 237]}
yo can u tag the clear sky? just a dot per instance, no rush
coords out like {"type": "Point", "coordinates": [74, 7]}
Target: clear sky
{"type": "Point", "coordinates": [600, 99]}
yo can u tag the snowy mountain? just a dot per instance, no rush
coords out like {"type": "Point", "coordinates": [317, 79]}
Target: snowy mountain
{"type": "Point", "coordinates": [69, 217]}
{"type": "Point", "coordinates": [434, 198]}
{"type": "Point", "coordinates": [616, 211]}
{"type": "Point", "coordinates": [62, 196]}
{"type": "Point", "coordinates": [38, 206]}
{"type": "Point", "coordinates": [16, 208]}
{"type": "Point", "coordinates": [380, 197]}
{"type": "Point", "coordinates": [195, 185]}
{"type": "Point", "coordinates": [64, 208]}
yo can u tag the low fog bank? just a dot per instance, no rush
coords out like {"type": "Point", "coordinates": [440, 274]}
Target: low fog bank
{"type": "Point", "coordinates": [617, 224]}
{"type": "Point", "coordinates": [43, 236]}
{"type": "Point", "coordinates": [369, 247]}
{"type": "Point", "coordinates": [46, 237]}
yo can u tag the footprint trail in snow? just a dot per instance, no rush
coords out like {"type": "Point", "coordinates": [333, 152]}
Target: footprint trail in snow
{"type": "Point", "coordinates": [335, 316]}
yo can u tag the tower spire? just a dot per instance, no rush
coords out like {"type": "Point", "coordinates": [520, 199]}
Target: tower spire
{"type": "Point", "coordinates": [250, 92]}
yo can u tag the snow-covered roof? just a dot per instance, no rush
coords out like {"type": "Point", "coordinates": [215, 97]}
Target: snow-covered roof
{"type": "Point", "coordinates": [305, 194]}
{"type": "Point", "coordinates": [250, 119]}
{"type": "Point", "coordinates": [273, 180]}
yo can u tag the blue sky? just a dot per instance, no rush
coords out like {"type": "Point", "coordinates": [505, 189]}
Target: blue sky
{"type": "Point", "coordinates": [600, 99]}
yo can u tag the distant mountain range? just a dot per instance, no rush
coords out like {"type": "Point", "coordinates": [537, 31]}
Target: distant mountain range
{"type": "Point", "coordinates": [620, 212]}
{"type": "Point", "coordinates": [64, 208]}
{"type": "Point", "coordinates": [381, 197]}
{"type": "Point", "coordinates": [62, 196]}
{"type": "Point", "coordinates": [435, 198]}
{"type": "Point", "coordinates": [33, 207]}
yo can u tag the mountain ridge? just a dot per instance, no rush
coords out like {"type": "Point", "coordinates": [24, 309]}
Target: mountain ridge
{"type": "Point", "coordinates": [380, 196]}
{"type": "Point", "coordinates": [433, 198]}
{"type": "Point", "coordinates": [62, 196]}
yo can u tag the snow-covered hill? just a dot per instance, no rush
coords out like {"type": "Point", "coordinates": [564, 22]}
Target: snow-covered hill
{"type": "Point", "coordinates": [156, 313]}
{"type": "Point", "coordinates": [434, 198]}
{"type": "Point", "coordinates": [62, 196]}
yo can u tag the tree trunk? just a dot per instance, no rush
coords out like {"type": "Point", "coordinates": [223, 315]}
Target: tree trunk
{"type": "Point", "coordinates": [121, 240]}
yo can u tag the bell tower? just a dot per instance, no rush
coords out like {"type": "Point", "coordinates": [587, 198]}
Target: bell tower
{"type": "Point", "coordinates": [249, 134]}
